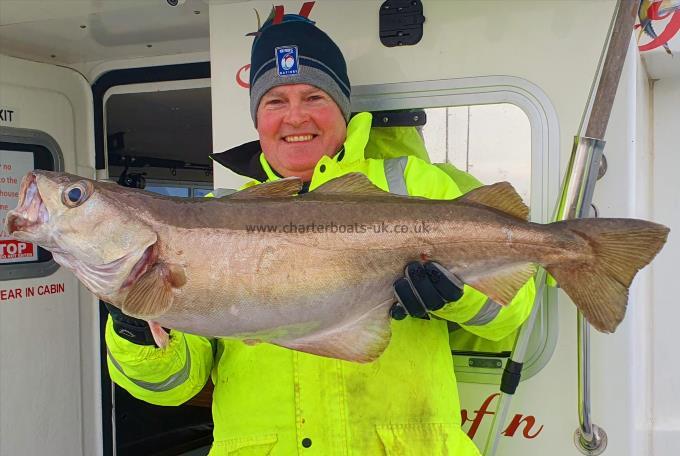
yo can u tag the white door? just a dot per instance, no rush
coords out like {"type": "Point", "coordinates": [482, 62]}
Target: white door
{"type": "Point", "coordinates": [49, 337]}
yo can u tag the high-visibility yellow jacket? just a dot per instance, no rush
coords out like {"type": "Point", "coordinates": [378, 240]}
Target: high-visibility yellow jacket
{"type": "Point", "coordinates": [270, 400]}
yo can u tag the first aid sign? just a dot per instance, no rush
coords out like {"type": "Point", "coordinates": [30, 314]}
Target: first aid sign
{"type": "Point", "coordinates": [11, 249]}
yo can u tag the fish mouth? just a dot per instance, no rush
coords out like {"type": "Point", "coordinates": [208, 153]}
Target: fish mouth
{"type": "Point", "coordinates": [30, 212]}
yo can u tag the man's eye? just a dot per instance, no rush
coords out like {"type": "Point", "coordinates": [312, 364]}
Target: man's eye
{"type": "Point", "coordinates": [273, 102]}
{"type": "Point", "coordinates": [314, 98]}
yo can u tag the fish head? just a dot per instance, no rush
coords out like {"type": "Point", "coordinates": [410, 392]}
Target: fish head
{"type": "Point", "coordinates": [85, 226]}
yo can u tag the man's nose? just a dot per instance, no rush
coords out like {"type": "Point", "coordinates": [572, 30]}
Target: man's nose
{"type": "Point", "coordinates": [296, 114]}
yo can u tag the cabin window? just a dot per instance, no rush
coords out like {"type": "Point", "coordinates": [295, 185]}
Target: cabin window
{"type": "Point", "coordinates": [491, 142]}
{"type": "Point", "coordinates": [496, 129]}
{"type": "Point", "coordinates": [22, 151]}
{"type": "Point", "coordinates": [187, 190]}
{"type": "Point", "coordinates": [159, 137]}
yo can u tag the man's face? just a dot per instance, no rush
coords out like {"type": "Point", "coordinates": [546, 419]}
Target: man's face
{"type": "Point", "coordinates": [298, 124]}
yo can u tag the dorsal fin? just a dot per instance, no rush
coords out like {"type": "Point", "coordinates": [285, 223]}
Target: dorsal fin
{"type": "Point", "coordinates": [350, 184]}
{"type": "Point", "coordinates": [281, 188]}
{"type": "Point", "coordinates": [501, 196]}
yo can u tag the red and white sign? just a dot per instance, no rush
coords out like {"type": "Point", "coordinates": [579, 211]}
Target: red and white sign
{"type": "Point", "coordinates": [14, 165]}
{"type": "Point", "coordinates": [11, 249]}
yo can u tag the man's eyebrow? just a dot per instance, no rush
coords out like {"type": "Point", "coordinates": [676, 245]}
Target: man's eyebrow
{"type": "Point", "coordinates": [280, 93]}
{"type": "Point", "coordinates": [312, 90]}
{"type": "Point", "coordinates": [273, 93]}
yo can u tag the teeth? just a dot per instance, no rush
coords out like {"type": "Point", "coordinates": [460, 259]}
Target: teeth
{"type": "Point", "coordinates": [298, 138]}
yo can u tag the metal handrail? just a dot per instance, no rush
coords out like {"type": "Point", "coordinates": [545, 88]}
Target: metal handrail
{"type": "Point", "coordinates": [575, 202]}
{"type": "Point", "coordinates": [578, 189]}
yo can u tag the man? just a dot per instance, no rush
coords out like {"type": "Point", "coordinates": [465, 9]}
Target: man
{"type": "Point", "coordinates": [272, 401]}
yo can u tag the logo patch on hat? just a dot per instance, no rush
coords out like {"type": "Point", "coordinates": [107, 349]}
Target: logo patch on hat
{"type": "Point", "coordinates": [287, 60]}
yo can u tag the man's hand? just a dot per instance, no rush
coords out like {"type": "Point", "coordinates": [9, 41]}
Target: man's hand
{"type": "Point", "coordinates": [133, 329]}
{"type": "Point", "coordinates": [424, 288]}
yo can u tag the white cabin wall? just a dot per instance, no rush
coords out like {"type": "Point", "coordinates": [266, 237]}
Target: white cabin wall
{"type": "Point", "coordinates": [665, 313]}
{"type": "Point", "coordinates": [620, 361]}
{"type": "Point", "coordinates": [640, 345]}
{"type": "Point", "coordinates": [49, 345]}
{"type": "Point", "coordinates": [553, 44]}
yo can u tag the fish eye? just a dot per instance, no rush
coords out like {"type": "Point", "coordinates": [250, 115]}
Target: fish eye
{"type": "Point", "coordinates": [76, 194]}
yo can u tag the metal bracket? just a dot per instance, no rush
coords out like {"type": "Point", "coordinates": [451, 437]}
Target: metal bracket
{"type": "Point", "coordinates": [593, 446]}
{"type": "Point", "coordinates": [416, 118]}
{"type": "Point", "coordinates": [401, 22]}
{"type": "Point", "coordinates": [602, 170]}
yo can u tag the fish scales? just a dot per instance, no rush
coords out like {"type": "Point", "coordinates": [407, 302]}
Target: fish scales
{"type": "Point", "coordinates": [265, 264]}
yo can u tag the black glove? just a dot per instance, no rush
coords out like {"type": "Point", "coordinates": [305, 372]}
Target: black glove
{"type": "Point", "coordinates": [129, 328]}
{"type": "Point", "coordinates": [424, 288]}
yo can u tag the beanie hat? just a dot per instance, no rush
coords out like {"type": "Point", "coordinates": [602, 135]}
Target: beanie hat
{"type": "Point", "coordinates": [290, 49]}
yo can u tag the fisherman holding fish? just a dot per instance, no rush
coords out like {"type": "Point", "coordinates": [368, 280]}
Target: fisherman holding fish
{"type": "Point", "coordinates": [319, 341]}
{"type": "Point", "coordinates": [272, 400]}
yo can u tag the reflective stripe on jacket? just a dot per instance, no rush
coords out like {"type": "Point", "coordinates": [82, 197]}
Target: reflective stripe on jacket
{"type": "Point", "coordinates": [270, 400]}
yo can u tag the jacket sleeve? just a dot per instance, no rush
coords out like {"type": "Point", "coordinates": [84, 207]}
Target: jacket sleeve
{"type": "Point", "coordinates": [474, 311]}
{"type": "Point", "coordinates": [169, 376]}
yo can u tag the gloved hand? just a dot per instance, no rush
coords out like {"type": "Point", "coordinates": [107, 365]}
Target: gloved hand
{"type": "Point", "coordinates": [424, 288]}
{"type": "Point", "coordinates": [129, 328]}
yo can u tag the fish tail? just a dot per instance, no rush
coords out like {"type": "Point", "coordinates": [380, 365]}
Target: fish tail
{"type": "Point", "coordinates": [619, 249]}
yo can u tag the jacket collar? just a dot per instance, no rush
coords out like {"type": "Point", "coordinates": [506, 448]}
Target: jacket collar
{"type": "Point", "coordinates": [244, 160]}
{"type": "Point", "coordinates": [248, 159]}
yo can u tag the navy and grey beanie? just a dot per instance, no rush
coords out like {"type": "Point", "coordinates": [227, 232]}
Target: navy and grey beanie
{"type": "Point", "coordinates": [292, 50]}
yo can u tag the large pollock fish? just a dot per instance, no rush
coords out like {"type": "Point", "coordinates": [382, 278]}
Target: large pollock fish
{"type": "Point", "coordinates": [266, 264]}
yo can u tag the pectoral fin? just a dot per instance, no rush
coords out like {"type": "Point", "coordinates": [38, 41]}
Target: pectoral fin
{"type": "Point", "coordinates": [152, 294]}
{"type": "Point", "coordinates": [159, 335]}
{"type": "Point", "coordinates": [362, 340]}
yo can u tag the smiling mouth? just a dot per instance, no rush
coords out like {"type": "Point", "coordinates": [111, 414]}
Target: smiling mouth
{"type": "Point", "coordinates": [298, 138]}
{"type": "Point", "coordinates": [31, 210]}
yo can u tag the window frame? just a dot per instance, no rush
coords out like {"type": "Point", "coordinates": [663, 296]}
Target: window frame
{"type": "Point", "coordinates": [34, 141]}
